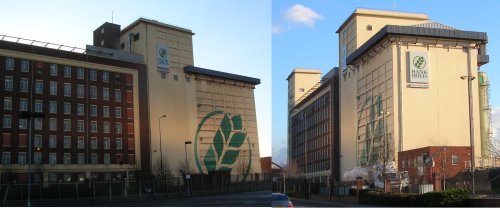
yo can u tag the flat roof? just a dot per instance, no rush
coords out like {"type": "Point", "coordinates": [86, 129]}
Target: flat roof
{"type": "Point", "coordinates": [224, 75]}
{"type": "Point", "coordinates": [157, 23]}
{"type": "Point", "coordinates": [383, 13]}
{"type": "Point", "coordinates": [415, 31]}
{"type": "Point", "coordinates": [304, 71]}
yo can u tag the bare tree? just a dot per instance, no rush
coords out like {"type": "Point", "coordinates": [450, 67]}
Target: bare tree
{"type": "Point", "coordinates": [184, 167]}
{"type": "Point", "coordinates": [242, 168]}
{"type": "Point", "coordinates": [162, 168]}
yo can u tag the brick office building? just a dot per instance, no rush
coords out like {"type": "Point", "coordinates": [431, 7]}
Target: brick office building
{"type": "Point", "coordinates": [91, 113]}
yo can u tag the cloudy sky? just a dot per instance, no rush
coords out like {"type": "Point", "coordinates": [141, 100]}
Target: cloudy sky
{"type": "Point", "coordinates": [304, 36]}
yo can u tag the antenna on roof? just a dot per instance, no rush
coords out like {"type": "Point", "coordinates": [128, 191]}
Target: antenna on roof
{"type": "Point", "coordinates": [112, 16]}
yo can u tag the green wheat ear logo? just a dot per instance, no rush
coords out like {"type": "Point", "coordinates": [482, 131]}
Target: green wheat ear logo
{"type": "Point", "coordinates": [225, 147]}
{"type": "Point", "coordinates": [419, 62]}
{"type": "Point", "coordinates": [163, 53]}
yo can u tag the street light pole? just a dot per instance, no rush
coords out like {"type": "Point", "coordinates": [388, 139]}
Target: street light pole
{"type": "Point", "coordinates": [469, 78]}
{"type": "Point", "coordinates": [161, 150]}
{"type": "Point", "coordinates": [187, 169]}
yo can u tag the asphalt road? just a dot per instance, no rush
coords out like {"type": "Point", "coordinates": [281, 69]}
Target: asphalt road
{"type": "Point", "coordinates": [315, 203]}
{"type": "Point", "coordinates": [245, 199]}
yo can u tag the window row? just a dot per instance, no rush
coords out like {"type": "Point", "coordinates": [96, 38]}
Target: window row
{"type": "Point", "coordinates": [68, 71]}
{"type": "Point", "coordinates": [80, 108]}
{"type": "Point", "coordinates": [67, 160]}
{"type": "Point", "coordinates": [67, 124]}
{"type": "Point", "coordinates": [80, 89]}
{"type": "Point", "coordinates": [69, 142]}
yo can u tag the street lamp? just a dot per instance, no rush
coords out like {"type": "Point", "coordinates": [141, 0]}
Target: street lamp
{"type": "Point", "coordinates": [185, 150]}
{"type": "Point", "coordinates": [188, 177]}
{"type": "Point", "coordinates": [469, 78]}
{"type": "Point", "coordinates": [161, 150]}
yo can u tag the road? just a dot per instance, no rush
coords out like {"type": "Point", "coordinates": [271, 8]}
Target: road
{"type": "Point", "coordinates": [316, 203]}
{"type": "Point", "coordinates": [245, 199]}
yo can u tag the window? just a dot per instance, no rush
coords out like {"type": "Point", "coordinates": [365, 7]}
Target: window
{"type": "Point", "coordinates": [67, 158]}
{"type": "Point", "coordinates": [67, 89]}
{"type": "Point", "coordinates": [38, 106]}
{"type": "Point", "coordinates": [188, 79]}
{"type": "Point", "coordinates": [52, 177]}
{"type": "Point", "coordinates": [38, 123]}
{"type": "Point", "coordinates": [106, 143]}
{"type": "Point", "coordinates": [80, 73]}
{"type": "Point", "coordinates": [67, 142]}
{"type": "Point", "coordinates": [67, 125]}
{"type": "Point", "coordinates": [105, 76]}
{"type": "Point", "coordinates": [130, 97]}
{"type": "Point", "coordinates": [107, 159]}
{"type": "Point", "coordinates": [105, 111]}
{"type": "Point", "coordinates": [80, 109]}
{"type": "Point", "coordinates": [67, 108]}
{"type": "Point", "coordinates": [7, 103]}
{"type": "Point", "coordinates": [52, 141]}
{"type": "Point", "coordinates": [93, 158]}
{"type": "Point", "coordinates": [454, 160]}
{"type": "Point", "coordinates": [52, 158]}
{"type": "Point", "coordinates": [93, 75]}
{"type": "Point", "coordinates": [6, 140]}
{"type": "Point", "coordinates": [80, 91]}
{"type": "Point", "coordinates": [25, 66]}
{"type": "Point", "coordinates": [80, 126]}
{"type": "Point", "coordinates": [118, 112]}
{"type": "Point", "coordinates": [52, 124]}
{"type": "Point", "coordinates": [37, 158]}
{"type": "Point", "coordinates": [53, 88]}
{"type": "Point", "coordinates": [105, 93]}
{"type": "Point", "coordinates": [93, 126]}
{"type": "Point", "coordinates": [176, 77]}
{"type": "Point", "coordinates": [119, 143]}
{"type": "Point", "coordinates": [93, 92]}
{"type": "Point", "coordinates": [23, 85]}
{"type": "Point", "coordinates": [81, 158]}
{"type": "Point", "coordinates": [67, 71]}
{"type": "Point", "coordinates": [128, 79]}
{"type": "Point", "coordinates": [52, 107]}
{"type": "Point", "coordinates": [130, 128]}
{"type": "Point", "coordinates": [67, 176]}
{"type": "Point", "coordinates": [130, 144]}
{"type": "Point", "coordinates": [53, 69]}
{"type": "Point", "coordinates": [9, 83]}
{"type": "Point", "coordinates": [7, 121]}
{"type": "Point", "coordinates": [21, 158]}
{"type": "Point", "coordinates": [5, 158]}
{"type": "Point", "coordinates": [130, 113]}
{"type": "Point", "coordinates": [23, 104]}
{"type": "Point", "coordinates": [163, 75]}
{"type": "Point", "coordinates": [105, 126]}
{"type": "Point", "coordinates": [93, 110]}
{"type": "Point", "coordinates": [369, 27]}
{"type": "Point", "coordinates": [136, 37]}
{"type": "Point", "coordinates": [38, 141]}
{"type": "Point", "coordinates": [9, 63]}
{"type": "Point", "coordinates": [23, 123]}
{"type": "Point", "coordinates": [118, 95]}
{"type": "Point", "coordinates": [93, 143]}
{"type": "Point", "coordinates": [39, 86]}
{"type": "Point", "coordinates": [118, 126]}
{"type": "Point", "coordinates": [81, 143]}
{"type": "Point", "coordinates": [131, 158]}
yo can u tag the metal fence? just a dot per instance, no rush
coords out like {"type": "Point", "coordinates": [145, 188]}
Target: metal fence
{"type": "Point", "coordinates": [92, 192]}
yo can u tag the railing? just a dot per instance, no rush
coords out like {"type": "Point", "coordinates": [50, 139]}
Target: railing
{"type": "Point", "coordinates": [97, 192]}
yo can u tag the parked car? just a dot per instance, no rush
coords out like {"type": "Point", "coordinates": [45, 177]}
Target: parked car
{"type": "Point", "coordinates": [280, 200]}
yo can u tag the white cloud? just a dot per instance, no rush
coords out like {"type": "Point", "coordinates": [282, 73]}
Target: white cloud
{"type": "Point", "coordinates": [300, 14]}
{"type": "Point", "coordinates": [277, 29]}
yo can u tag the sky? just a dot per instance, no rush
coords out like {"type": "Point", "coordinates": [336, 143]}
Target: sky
{"type": "Point", "coordinates": [304, 36]}
{"type": "Point", "coordinates": [231, 36]}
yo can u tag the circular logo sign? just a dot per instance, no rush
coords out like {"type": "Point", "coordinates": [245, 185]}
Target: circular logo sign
{"type": "Point", "coordinates": [419, 62]}
{"type": "Point", "coordinates": [163, 53]}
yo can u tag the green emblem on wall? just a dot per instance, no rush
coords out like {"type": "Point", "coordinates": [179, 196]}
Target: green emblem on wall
{"type": "Point", "coordinates": [419, 62]}
{"type": "Point", "coordinates": [224, 149]}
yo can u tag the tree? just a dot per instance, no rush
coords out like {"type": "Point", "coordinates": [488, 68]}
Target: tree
{"type": "Point", "coordinates": [162, 169]}
{"type": "Point", "coordinates": [242, 168]}
{"type": "Point", "coordinates": [184, 167]}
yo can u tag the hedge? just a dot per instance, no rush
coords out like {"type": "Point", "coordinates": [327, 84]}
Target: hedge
{"type": "Point", "coordinates": [451, 197]}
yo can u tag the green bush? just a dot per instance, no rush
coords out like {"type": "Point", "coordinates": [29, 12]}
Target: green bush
{"type": "Point", "coordinates": [452, 197]}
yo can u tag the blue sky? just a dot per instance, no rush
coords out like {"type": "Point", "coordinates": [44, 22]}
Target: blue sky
{"type": "Point", "coordinates": [231, 36]}
{"type": "Point", "coordinates": [304, 36]}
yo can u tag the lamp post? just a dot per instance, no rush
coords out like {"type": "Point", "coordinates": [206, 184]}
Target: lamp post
{"type": "Point", "coordinates": [161, 150]}
{"type": "Point", "coordinates": [469, 78]}
{"type": "Point", "coordinates": [188, 177]}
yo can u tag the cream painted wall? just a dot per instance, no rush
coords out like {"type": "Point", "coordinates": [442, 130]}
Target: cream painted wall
{"type": "Point", "coordinates": [174, 98]}
{"type": "Point", "coordinates": [301, 79]}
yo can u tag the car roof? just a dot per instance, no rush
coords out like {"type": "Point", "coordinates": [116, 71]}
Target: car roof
{"type": "Point", "coordinates": [278, 194]}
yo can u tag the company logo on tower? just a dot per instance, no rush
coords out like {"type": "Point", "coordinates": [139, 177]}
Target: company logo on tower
{"type": "Point", "coordinates": [418, 67]}
{"type": "Point", "coordinates": [162, 58]}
